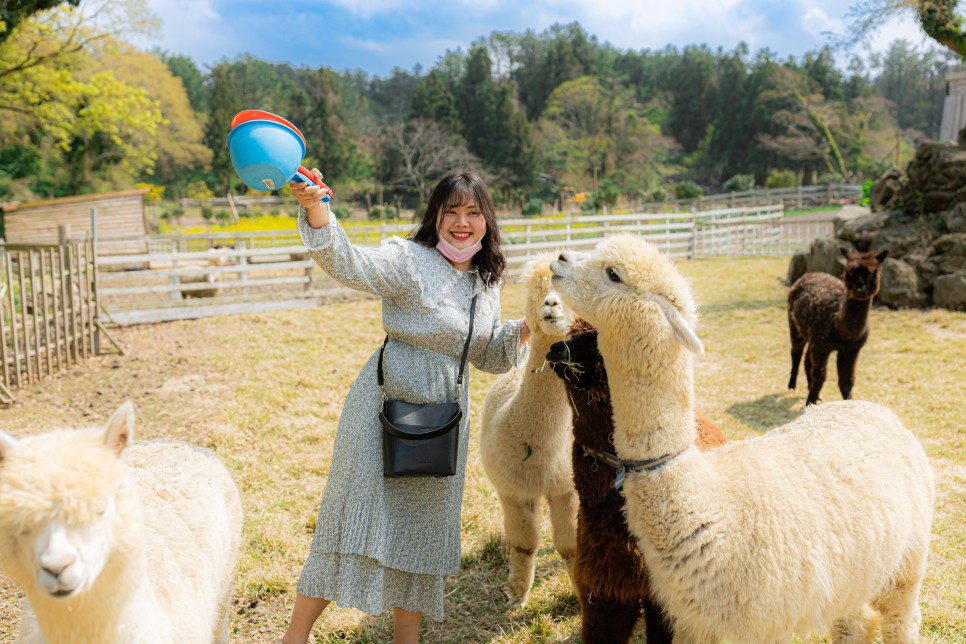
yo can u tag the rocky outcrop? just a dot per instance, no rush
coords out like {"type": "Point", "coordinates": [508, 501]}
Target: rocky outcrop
{"type": "Point", "coordinates": [918, 216]}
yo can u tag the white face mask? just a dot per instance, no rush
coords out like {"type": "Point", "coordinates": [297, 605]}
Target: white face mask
{"type": "Point", "coordinates": [454, 254]}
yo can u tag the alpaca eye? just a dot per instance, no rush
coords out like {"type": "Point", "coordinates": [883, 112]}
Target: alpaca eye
{"type": "Point", "coordinates": [613, 276]}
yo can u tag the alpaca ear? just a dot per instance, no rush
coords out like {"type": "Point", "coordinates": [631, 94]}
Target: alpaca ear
{"type": "Point", "coordinates": [7, 443]}
{"type": "Point", "coordinates": [881, 256]}
{"type": "Point", "coordinates": [683, 332]}
{"type": "Point", "coordinates": [119, 432]}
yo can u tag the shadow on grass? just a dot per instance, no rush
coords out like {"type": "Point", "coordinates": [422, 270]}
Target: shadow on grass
{"type": "Point", "coordinates": [742, 305]}
{"type": "Point", "coordinates": [768, 411]}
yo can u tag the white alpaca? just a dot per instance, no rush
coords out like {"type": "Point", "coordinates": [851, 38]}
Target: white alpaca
{"type": "Point", "coordinates": [118, 543]}
{"type": "Point", "coordinates": [526, 440]}
{"type": "Point", "coordinates": [815, 525]}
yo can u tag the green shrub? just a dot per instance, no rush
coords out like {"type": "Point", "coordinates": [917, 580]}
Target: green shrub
{"type": "Point", "coordinates": [390, 212]}
{"type": "Point", "coordinates": [533, 208]}
{"type": "Point", "coordinates": [865, 199]}
{"type": "Point", "coordinates": [740, 183]}
{"type": "Point", "coordinates": [831, 178]}
{"type": "Point", "coordinates": [207, 213]}
{"type": "Point", "coordinates": [781, 179]}
{"type": "Point", "coordinates": [375, 214]}
{"type": "Point", "coordinates": [342, 212]}
{"type": "Point", "coordinates": [658, 194]}
{"type": "Point", "coordinates": [687, 190]}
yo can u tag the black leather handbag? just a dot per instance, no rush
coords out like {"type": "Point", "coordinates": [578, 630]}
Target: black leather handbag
{"type": "Point", "coordinates": [422, 439]}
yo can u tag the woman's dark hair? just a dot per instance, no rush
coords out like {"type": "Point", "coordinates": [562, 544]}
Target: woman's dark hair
{"type": "Point", "coordinates": [455, 189]}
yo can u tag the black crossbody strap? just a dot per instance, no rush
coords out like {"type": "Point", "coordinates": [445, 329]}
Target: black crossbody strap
{"type": "Point", "coordinates": [466, 349]}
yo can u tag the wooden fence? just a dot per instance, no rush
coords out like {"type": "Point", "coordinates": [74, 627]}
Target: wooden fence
{"type": "Point", "coordinates": [48, 311]}
{"type": "Point", "coordinates": [190, 276]}
{"type": "Point", "coordinates": [797, 197]}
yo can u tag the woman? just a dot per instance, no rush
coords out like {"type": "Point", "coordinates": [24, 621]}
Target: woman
{"type": "Point", "coordinates": [390, 542]}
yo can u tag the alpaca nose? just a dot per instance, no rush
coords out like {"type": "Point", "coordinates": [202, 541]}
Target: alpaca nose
{"type": "Point", "coordinates": [55, 565]}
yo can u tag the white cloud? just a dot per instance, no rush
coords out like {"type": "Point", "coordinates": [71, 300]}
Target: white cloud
{"type": "Point", "coordinates": [816, 22]}
{"type": "Point", "coordinates": [192, 27]}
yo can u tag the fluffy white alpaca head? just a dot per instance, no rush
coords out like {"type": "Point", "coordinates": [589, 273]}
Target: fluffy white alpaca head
{"type": "Point", "coordinates": [67, 506]}
{"type": "Point", "coordinates": [545, 310]}
{"type": "Point", "coordinates": [627, 289]}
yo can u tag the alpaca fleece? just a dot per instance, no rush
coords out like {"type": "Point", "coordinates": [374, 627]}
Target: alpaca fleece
{"type": "Point", "coordinates": [827, 314]}
{"type": "Point", "coordinates": [609, 572]}
{"type": "Point", "coordinates": [526, 438]}
{"type": "Point", "coordinates": [817, 524]}
{"type": "Point", "coordinates": [167, 521]}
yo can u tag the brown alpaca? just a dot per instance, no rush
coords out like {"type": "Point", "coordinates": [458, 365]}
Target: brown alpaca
{"type": "Point", "coordinates": [827, 314]}
{"type": "Point", "coordinates": [609, 572]}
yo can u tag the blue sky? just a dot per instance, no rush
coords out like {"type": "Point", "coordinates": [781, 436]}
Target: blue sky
{"type": "Point", "coordinates": [378, 35]}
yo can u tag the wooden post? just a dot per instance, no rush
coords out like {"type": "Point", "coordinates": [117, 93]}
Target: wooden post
{"type": "Point", "coordinates": [243, 261]}
{"type": "Point", "coordinates": [13, 320]}
{"type": "Point", "coordinates": [94, 302]}
{"type": "Point", "coordinates": [23, 319]}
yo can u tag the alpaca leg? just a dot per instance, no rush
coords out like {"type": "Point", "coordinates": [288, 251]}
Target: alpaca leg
{"type": "Point", "coordinates": [521, 523]}
{"type": "Point", "coordinates": [610, 621]}
{"type": "Point", "coordinates": [900, 613]}
{"type": "Point", "coordinates": [798, 345]}
{"type": "Point", "coordinates": [818, 362]}
{"type": "Point", "coordinates": [223, 627]}
{"type": "Point", "coordinates": [563, 523]}
{"type": "Point", "coordinates": [656, 622]}
{"type": "Point", "coordinates": [845, 362]}
{"type": "Point", "coordinates": [855, 629]}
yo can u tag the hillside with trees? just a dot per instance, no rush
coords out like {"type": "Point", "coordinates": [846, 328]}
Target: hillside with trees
{"type": "Point", "coordinates": [544, 115]}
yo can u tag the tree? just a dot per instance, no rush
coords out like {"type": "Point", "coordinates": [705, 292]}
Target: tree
{"type": "Point", "coordinates": [54, 89]}
{"type": "Point", "coordinates": [915, 82]}
{"type": "Point", "coordinates": [432, 99]}
{"type": "Point", "coordinates": [191, 77]}
{"type": "Point", "coordinates": [939, 19]}
{"type": "Point", "coordinates": [12, 13]}
{"type": "Point", "coordinates": [422, 151]}
{"type": "Point", "coordinates": [224, 104]}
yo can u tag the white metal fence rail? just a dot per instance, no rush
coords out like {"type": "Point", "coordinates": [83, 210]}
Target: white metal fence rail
{"type": "Point", "coordinates": [189, 276]}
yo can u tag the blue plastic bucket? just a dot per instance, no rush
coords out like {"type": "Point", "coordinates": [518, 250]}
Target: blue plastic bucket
{"type": "Point", "coordinates": [266, 155]}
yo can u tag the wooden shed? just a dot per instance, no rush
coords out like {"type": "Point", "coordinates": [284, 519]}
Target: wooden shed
{"type": "Point", "coordinates": [954, 107]}
{"type": "Point", "coordinates": [118, 214]}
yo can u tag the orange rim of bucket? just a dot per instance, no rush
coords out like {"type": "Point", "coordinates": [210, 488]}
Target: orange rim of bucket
{"type": "Point", "coordinates": [261, 115]}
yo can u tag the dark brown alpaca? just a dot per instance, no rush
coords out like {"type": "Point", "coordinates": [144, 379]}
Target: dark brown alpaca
{"type": "Point", "coordinates": [827, 314]}
{"type": "Point", "coordinates": [609, 572]}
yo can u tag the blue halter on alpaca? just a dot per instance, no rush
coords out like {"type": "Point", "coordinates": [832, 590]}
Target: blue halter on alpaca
{"type": "Point", "coordinates": [622, 467]}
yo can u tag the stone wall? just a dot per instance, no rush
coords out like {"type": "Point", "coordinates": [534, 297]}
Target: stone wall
{"type": "Point", "coordinates": [918, 216]}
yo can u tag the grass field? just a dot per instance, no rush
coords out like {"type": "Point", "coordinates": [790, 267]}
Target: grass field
{"type": "Point", "coordinates": [265, 392]}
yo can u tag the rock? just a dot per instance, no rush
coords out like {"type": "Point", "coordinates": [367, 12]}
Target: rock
{"type": "Point", "coordinates": [955, 219]}
{"type": "Point", "coordinates": [797, 267]}
{"type": "Point", "coordinates": [949, 253]}
{"type": "Point", "coordinates": [949, 291]}
{"type": "Point", "coordinates": [861, 231]}
{"type": "Point", "coordinates": [900, 240]}
{"type": "Point", "coordinates": [900, 285]}
{"type": "Point", "coordinates": [884, 194]}
{"type": "Point", "coordinates": [824, 256]}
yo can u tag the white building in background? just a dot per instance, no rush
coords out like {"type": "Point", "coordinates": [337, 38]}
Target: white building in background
{"type": "Point", "coordinates": [954, 107]}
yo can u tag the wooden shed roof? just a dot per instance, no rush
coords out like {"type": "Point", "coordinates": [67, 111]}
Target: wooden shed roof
{"type": "Point", "coordinates": [100, 196]}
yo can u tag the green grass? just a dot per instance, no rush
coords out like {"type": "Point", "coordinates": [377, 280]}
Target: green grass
{"type": "Point", "coordinates": [817, 210]}
{"type": "Point", "coordinates": [265, 392]}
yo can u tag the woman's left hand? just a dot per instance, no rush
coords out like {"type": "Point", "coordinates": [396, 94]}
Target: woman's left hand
{"type": "Point", "coordinates": [525, 332]}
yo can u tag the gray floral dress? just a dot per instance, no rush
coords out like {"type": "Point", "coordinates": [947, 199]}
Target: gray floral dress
{"type": "Point", "coordinates": [379, 542]}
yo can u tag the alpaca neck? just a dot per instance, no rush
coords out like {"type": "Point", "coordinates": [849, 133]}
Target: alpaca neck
{"type": "Point", "coordinates": [853, 318]}
{"type": "Point", "coordinates": [653, 407]}
{"type": "Point", "coordinates": [539, 383]}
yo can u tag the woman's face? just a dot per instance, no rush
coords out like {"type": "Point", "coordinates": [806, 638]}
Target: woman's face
{"type": "Point", "coordinates": [463, 225]}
